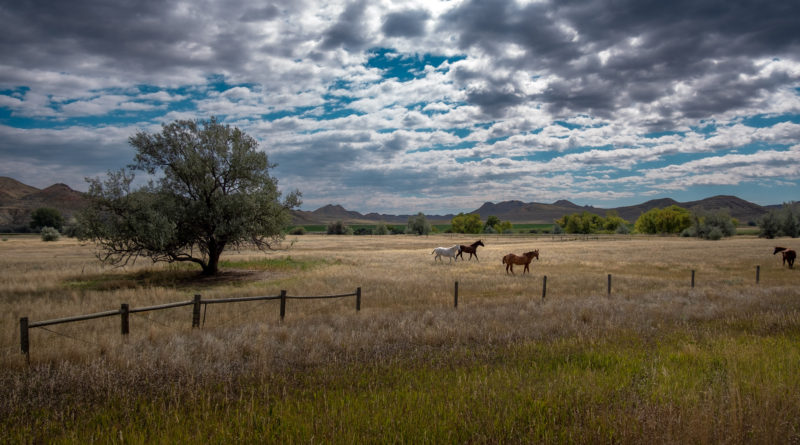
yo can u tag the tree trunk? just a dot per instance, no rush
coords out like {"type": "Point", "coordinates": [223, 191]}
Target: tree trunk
{"type": "Point", "coordinates": [212, 267]}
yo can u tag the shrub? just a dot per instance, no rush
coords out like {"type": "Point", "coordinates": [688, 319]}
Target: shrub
{"type": "Point", "coordinates": [299, 230]}
{"type": "Point", "coordinates": [783, 222]}
{"type": "Point", "coordinates": [381, 229]}
{"type": "Point", "coordinates": [714, 234]}
{"type": "Point", "coordinates": [418, 225]}
{"type": "Point", "coordinates": [50, 234]}
{"type": "Point", "coordinates": [46, 217]}
{"type": "Point", "coordinates": [338, 228]}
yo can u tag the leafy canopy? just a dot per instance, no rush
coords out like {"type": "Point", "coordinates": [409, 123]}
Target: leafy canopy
{"type": "Point", "coordinates": [467, 223]}
{"type": "Point", "coordinates": [212, 191]}
{"type": "Point", "coordinates": [672, 219]}
{"type": "Point", "coordinates": [46, 217]}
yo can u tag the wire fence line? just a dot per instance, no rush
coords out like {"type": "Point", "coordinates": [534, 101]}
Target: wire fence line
{"type": "Point", "coordinates": [197, 304]}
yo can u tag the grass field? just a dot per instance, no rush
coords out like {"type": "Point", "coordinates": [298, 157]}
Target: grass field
{"type": "Point", "coordinates": [655, 360]}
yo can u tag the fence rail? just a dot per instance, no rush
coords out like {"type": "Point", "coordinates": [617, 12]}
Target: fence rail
{"type": "Point", "coordinates": [124, 311]}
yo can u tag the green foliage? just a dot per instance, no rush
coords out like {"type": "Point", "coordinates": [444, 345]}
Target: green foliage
{"type": "Point", "coordinates": [214, 192]}
{"type": "Point", "coordinates": [586, 223]}
{"type": "Point", "coordinates": [711, 226]}
{"type": "Point", "coordinates": [492, 221]}
{"type": "Point", "coordinates": [466, 223]}
{"type": "Point", "coordinates": [418, 225]}
{"type": "Point", "coordinates": [783, 222]}
{"type": "Point", "coordinates": [299, 230]}
{"type": "Point", "coordinates": [380, 229]}
{"type": "Point", "coordinates": [50, 234]}
{"type": "Point", "coordinates": [338, 228]}
{"type": "Point", "coordinates": [672, 219]}
{"type": "Point", "coordinates": [46, 217]}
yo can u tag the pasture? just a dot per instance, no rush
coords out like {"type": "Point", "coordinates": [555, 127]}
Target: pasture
{"type": "Point", "coordinates": [653, 360]}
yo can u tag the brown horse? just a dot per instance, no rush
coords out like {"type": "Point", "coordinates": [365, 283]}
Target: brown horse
{"type": "Point", "coordinates": [789, 255]}
{"type": "Point", "coordinates": [510, 260]}
{"type": "Point", "coordinates": [472, 249]}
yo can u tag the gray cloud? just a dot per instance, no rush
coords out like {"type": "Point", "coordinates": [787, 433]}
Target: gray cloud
{"type": "Point", "coordinates": [348, 31]}
{"type": "Point", "coordinates": [411, 23]}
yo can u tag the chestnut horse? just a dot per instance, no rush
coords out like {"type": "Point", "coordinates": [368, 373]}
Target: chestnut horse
{"type": "Point", "coordinates": [510, 260]}
{"type": "Point", "coordinates": [789, 255]}
{"type": "Point", "coordinates": [472, 249]}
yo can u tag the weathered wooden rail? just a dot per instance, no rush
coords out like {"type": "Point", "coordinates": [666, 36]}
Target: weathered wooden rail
{"type": "Point", "coordinates": [197, 303]}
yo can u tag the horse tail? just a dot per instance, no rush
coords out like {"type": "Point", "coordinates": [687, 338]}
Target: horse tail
{"type": "Point", "coordinates": [434, 251]}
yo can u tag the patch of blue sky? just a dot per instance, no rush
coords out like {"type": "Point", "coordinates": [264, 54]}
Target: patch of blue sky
{"type": "Point", "coordinates": [492, 141]}
{"type": "Point", "coordinates": [445, 147]}
{"type": "Point", "coordinates": [764, 120]}
{"type": "Point", "coordinates": [280, 114]}
{"type": "Point", "coordinates": [460, 132]}
{"type": "Point", "coordinates": [405, 67]}
{"type": "Point", "coordinates": [706, 129]}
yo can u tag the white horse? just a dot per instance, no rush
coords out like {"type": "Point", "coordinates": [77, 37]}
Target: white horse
{"type": "Point", "coordinates": [450, 252]}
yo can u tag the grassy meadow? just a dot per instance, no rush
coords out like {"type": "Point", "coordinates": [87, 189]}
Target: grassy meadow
{"type": "Point", "coordinates": [655, 360]}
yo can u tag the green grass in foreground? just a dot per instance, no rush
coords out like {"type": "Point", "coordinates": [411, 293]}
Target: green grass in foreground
{"type": "Point", "coordinates": [723, 382]}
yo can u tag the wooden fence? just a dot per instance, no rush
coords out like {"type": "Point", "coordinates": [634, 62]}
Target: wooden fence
{"type": "Point", "coordinates": [197, 303]}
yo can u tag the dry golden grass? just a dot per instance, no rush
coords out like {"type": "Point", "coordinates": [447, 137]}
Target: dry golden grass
{"type": "Point", "coordinates": [407, 297]}
{"type": "Point", "coordinates": [654, 360]}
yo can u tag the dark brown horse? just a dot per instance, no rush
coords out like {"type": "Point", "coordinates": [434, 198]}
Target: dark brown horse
{"type": "Point", "coordinates": [472, 249]}
{"type": "Point", "coordinates": [789, 255]}
{"type": "Point", "coordinates": [510, 260]}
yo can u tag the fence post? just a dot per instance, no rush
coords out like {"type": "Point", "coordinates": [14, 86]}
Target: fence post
{"type": "Point", "coordinates": [544, 286]}
{"type": "Point", "coordinates": [758, 273]}
{"type": "Point", "coordinates": [23, 337]}
{"type": "Point", "coordinates": [692, 278]}
{"type": "Point", "coordinates": [283, 304]}
{"type": "Point", "coordinates": [124, 311]}
{"type": "Point", "coordinates": [455, 296]}
{"type": "Point", "coordinates": [358, 299]}
{"type": "Point", "coordinates": [196, 312]}
{"type": "Point", "coordinates": [609, 284]}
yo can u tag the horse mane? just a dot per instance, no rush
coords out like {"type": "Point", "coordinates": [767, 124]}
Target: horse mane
{"type": "Point", "coordinates": [779, 249]}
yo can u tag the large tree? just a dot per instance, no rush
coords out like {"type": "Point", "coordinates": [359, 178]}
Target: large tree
{"type": "Point", "coordinates": [212, 190]}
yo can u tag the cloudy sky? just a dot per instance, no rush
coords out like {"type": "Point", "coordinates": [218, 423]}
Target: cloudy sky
{"type": "Point", "coordinates": [422, 105]}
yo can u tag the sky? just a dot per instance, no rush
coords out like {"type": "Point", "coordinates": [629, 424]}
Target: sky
{"type": "Point", "coordinates": [420, 106]}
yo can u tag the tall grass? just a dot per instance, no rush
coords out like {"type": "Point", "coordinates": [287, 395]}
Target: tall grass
{"type": "Point", "coordinates": [654, 360]}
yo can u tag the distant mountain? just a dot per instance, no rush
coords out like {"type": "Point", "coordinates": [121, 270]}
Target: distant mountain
{"type": "Point", "coordinates": [18, 201]}
{"type": "Point", "coordinates": [532, 212]}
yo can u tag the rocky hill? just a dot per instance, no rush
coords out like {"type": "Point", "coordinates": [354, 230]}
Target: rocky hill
{"type": "Point", "coordinates": [18, 201]}
{"type": "Point", "coordinates": [533, 212]}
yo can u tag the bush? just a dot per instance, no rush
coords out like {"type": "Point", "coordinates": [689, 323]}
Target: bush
{"type": "Point", "coordinates": [50, 234]}
{"type": "Point", "coordinates": [338, 228]}
{"type": "Point", "coordinates": [714, 234]}
{"type": "Point", "coordinates": [672, 219]}
{"type": "Point", "coordinates": [418, 225]}
{"type": "Point", "coordinates": [46, 217]}
{"type": "Point", "coordinates": [381, 229]}
{"type": "Point", "coordinates": [299, 230]}
{"type": "Point", "coordinates": [783, 222]}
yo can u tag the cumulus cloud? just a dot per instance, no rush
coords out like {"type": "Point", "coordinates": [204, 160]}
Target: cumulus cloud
{"type": "Point", "coordinates": [432, 103]}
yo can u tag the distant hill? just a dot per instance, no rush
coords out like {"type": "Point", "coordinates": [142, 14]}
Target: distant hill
{"type": "Point", "coordinates": [18, 201]}
{"type": "Point", "coordinates": [540, 213]}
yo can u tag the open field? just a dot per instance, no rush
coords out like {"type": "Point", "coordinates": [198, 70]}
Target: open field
{"type": "Point", "coordinates": [656, 360]}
